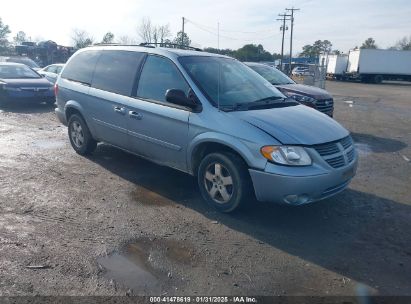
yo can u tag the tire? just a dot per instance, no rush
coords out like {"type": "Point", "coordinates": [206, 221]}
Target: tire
{"type": "Point", "coordinates": [224, 181]}
{"type": "Point", "coordinates": [80, 137]}
{"type": "Point", "coordinates": [50, 102]}
{"type": "Point", "coordinates": [3, 102]}
{"type": "Point", "coordinates": [378, 79]}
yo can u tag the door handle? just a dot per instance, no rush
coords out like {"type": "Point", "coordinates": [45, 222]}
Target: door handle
{"type": "Point", "coordinates": [135, 115]}
{"type": "Point", "coordinates": [120, 110]}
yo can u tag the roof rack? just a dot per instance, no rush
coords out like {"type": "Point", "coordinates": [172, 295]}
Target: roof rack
{"type": "Point", "coordinates": [115, 44]}
{"type": "Point", "coordinates": [170, 45]}
{"type": "Point", "coordinates": [154, 44]}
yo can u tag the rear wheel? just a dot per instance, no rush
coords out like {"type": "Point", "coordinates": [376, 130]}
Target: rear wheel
{"type": "Point", "coordinates": [378, 79]}
{"type": "Point", "coordinates": [224, 181]}
{"type": "Point", "coordinates": [50, 102]}
{"type": "Point", "coordinates": [80, 136]}
{"type": "Point", "coordinates": [3, 102]}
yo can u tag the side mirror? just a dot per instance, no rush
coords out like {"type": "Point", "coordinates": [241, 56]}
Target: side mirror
{"type": "Point", "coordinates": [178, 97]}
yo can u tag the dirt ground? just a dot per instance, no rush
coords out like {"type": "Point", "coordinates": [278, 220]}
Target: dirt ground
{"type": "Point", "coordinates": [114, 224]}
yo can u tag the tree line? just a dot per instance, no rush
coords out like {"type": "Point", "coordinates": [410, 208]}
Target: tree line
{"type": "Point", "coordinates": [161, 34]}
{"type": "Point", "coordinates": [325, 46]}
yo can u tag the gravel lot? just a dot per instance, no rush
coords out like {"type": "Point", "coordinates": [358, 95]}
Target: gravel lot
{"type": "Point", "coordinates": [114, 224]}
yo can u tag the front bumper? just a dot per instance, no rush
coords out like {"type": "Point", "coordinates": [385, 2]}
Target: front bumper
{"type": "Point", "coordinates": [24, 96]}
{"type": "Point", "coordinates": [298, 186]}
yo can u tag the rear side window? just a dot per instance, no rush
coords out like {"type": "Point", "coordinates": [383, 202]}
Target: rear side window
{"type": "Point", "coordinates": [160, 74]}
{"type": "Point", "coordinates": [80, 68]}
{"type": "Point", "coordinates": [116, 71]}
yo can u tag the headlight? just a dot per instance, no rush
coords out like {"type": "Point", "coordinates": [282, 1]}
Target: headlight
{"type": "Point", "coordinates": [286, 155]}
{"type": "Point", "coordinates": [299, 97]}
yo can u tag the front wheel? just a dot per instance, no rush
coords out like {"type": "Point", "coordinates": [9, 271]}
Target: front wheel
{"type": "Point", "coordinates": [80, 137]}
{"type": "Point", "coordinates": [224, 181]}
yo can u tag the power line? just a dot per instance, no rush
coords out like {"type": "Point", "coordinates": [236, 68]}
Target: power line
{"type": "Point", "coordinates": [201, 27]}
{"type": "Point", "coordinates": [230, 31]}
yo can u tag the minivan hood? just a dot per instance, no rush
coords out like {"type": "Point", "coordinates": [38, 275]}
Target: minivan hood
{"type": "Point", "coordinates": [295, 125]}
{"type": "Point", "coordinates": [311, 91]}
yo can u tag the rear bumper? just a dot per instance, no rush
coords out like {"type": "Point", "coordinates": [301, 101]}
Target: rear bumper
{"type": "Point", "coordinates": [61, 116]}
{"type": "Point", "coordinates": [298, 190]}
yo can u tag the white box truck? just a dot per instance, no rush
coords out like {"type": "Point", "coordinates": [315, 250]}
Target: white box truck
{"type": "Point", "coordinates": [373, 65]}
{"type": "Point", "coordinates": [336, 65]}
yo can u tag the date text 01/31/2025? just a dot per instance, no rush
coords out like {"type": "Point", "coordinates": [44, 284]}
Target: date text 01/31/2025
{"type": "Point", "coordinates": [199, 299]}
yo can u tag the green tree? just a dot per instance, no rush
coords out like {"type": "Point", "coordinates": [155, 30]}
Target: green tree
{"type": "Point", "coordinates": [4, 32]}
{"type": "Point", "coordinates": [252, 52]}
{"type": "Point", "coordinates": [404, 44]}
{"type": "Point", "coordinates": [108, 38]}
{"type": "Point", "coordinates": [369, 44]}
{"type": "Point", "coordinates": [182, 39]}
{"type": "Point", "coordinates": [318, 47]}
{"type": "Point", "coordinates": [81, 39]}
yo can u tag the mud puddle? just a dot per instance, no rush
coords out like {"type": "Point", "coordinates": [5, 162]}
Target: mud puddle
{"type": "Point", "coordinates": [367, 143]}
{"type": "Point", "coordinates": [147, 266]}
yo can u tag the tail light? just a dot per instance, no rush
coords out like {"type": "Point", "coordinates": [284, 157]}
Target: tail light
{"type": "Point", "coordinates": [56, 89]}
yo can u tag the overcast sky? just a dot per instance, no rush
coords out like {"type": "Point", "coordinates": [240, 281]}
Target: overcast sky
{"type": "Point", "coordinates": [345, 23]}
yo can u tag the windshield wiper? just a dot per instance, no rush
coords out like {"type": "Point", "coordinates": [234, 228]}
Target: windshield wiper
{"type": "Point", "coordinates": [263, 102]}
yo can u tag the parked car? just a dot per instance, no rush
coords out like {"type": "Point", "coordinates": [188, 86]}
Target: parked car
{"type": "Point", "coordinates": [300, 71]}
{"type": "Point", "coordinates": [51, 71]}
{"type": "Point", "coordinates": [207, 115]}
{"type": "Point", "coordinates": [21, 59]}
{"type": "Point", "coordinates": [310, 96]}
{"type": "Point", "coordinates": [20, 83]}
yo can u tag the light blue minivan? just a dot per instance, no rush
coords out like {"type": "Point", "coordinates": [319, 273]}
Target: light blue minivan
{"type": "Point", "coordinates": [208, 115]}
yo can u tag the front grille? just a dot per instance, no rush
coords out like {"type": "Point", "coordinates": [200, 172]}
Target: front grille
{"type": "Point", "coordinates": [327, 149]}
{"type": "Point", "coordinates": [338, 153]}
{"type": "Point", "coordinates": [336, 162]}
{"type": "Point", "coordinates": [325, 105]}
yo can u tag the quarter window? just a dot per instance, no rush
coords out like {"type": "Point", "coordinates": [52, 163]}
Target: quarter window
{"type": "Point", "coordinates": [160, 74]}
{"type": "Point", "coordinates": [80, 68]}
{"type": "Point", "coordinates": [116, 71]}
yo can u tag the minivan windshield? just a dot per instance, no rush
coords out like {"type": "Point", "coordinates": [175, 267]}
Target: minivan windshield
{"type": "Point", "coordinates": [273, 75]}
{"type": "Point", "coordinates": [229, 83]}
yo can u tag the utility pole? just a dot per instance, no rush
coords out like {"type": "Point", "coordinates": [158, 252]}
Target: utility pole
{"type": "Point", "coordinates": [291, 36]}
{"type": "Point", "coordinates": [283, 28]}
{"type": "Point", "coordinates": [218, 36]}
{"type": "Point", "coordinates": [182, 34]}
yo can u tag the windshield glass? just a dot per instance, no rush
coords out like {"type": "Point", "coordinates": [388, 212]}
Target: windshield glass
{"type": "Point", "coordinates": [26, 61]}
{"type": "Point", "coordinates": [228, 82]}
{"type": "Point", "coordinates": [272, 75]}
{"type": "Point", "coordinates": [17, 71]}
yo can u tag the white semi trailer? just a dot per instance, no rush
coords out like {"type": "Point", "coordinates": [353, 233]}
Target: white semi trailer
{"type": "Point", "coordinates": [336, 65]}
{"type": "Point", "coordinates": [373, 65]}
